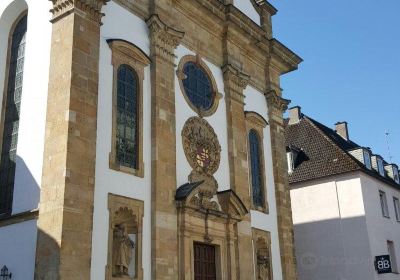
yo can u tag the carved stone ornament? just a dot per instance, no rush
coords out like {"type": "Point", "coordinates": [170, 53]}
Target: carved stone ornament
{"type": "Point", "coordinates": [235, 82]}
{"type": "Point", "coordinates": [202, 151]}
{"type": "Point", "coordinates": [276, 102]}
{"type": "Point", "coordinates": [164, 39]}
{"type": "Point", "coordinates": [263, 264]}
{"type": "Point", "coordinates": [91, 8]}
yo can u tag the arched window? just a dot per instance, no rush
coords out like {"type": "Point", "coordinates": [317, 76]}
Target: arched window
{"type": "Point", "coordinates": [11, 112]}
{"type": "Point", "coordinates": [256, 169]}
{"type": "Point", "coordinates": [127, 103]}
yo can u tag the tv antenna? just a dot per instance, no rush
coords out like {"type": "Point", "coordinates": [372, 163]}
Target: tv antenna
{"type": "Point", "coordinates": [387, 133]}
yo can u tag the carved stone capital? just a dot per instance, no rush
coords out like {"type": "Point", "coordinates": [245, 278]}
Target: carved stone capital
{"type": "Point", "coordinates": [275, 102]}
{"type": "Point", "coordinates": [235, 82]}
{"type": "Point", "coordinates": [164, 39]}
{"type": "Point", "coordinates": [88, 8]}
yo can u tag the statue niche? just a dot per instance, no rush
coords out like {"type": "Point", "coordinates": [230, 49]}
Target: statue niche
{"type": "Point", "coordinates": [124, 234]}
{"type": "Point", "coordinates": [263, 260]}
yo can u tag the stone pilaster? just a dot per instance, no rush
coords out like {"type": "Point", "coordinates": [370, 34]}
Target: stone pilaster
{"type": "Point", "coordinates": [67, 190]}
{"type": "Point", "coordinates": [163, 40]}
{"type": "Point", "coordinates": [276, 107]}
{"type": "Point", "coordinates": [235, 82]}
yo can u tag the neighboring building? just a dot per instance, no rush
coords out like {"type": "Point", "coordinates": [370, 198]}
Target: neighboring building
{"type": "Point", "coordinates": [143, 140]}
{"type": "Point", "coordinates": [345, 203]}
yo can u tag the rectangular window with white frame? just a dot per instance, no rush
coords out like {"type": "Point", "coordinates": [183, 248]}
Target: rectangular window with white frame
{"type": "Point", "coordinates": [396, 208]}
{"type": "Point", "coordinates": [384, 204]}
{"type": "Point", "coordinates": [393, 258]}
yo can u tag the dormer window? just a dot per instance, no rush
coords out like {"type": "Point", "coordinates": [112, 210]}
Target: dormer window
{"type": "Point", "coordinates": [290, 161]}
{"type": "Point", "coordinates": [367, 159]}
{"type": "Point", "coordinates": [396, 175]}
{"type": "Point", "coordinates": [381, 168]}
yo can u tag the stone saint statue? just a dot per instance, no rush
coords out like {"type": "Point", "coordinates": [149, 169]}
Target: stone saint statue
{"type": "Point", "coordinates": [122, 252]}
{"type": "Point", "coordinates": [263, 265]}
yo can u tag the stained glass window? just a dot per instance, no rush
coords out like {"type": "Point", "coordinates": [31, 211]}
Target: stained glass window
{"type": "Point", "coordinates": [197, 86]}
{"type": "Point", "coordinates": [11, 116]}
{"type": "Point", "coordinates": [256, 171]}
{"type": "Point", "coordinates": [127, 127]}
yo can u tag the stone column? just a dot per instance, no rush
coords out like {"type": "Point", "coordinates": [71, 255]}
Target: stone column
{"type": "Point", "coordinates": [235, 82]}
{"type": "Point", "coordinates": [164, 41]}
{"type": "Point", "coordinates": [67, 191]}
{"type": "Point", "coordinates": [276, 107]}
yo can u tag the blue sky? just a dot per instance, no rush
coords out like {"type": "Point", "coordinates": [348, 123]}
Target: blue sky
{"type": "Point", "coordinates": [351, 68]}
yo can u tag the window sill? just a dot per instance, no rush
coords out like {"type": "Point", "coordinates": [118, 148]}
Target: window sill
{"type": "Point", "coordinates": [264, 210]}
{"type": "Point", "coordinates": [117, 167]}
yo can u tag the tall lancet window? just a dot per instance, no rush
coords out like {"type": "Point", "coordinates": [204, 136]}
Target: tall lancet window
{"type": "Point", "coordinates": [256, 169]}
{"type": "Point", "coordinates": [10, 114]}
{"type": "Point", "coordinates": [127, 138]}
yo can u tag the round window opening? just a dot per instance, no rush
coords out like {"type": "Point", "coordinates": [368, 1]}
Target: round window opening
{"type": "Point", "coordinates": [198, 86]}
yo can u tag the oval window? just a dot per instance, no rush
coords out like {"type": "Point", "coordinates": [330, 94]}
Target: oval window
{"type": "Point", "coordinates": [197, 85]}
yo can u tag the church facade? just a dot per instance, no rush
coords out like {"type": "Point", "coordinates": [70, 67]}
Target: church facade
{"type": "Point", "coordinates": [143, 140]}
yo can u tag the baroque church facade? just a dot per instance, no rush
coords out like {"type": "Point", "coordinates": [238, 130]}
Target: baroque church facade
{"type": "Point", "coordinates": [143, 140]}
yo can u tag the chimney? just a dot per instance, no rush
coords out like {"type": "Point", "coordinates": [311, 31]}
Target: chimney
{"type": "Point", "coordinates": [294, 115]}
{"type": "Point", "coordinates": [342, 130]}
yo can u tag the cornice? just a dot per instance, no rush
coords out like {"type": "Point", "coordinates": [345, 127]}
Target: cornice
{"type": "Point", "coordinates": [164, 39]}
{"type": "Point", "coordinates": [274, 101]}
{"type": "Point", "coordinates": [288, 59]}
{"type": "Point", "coordinates": [89, 8]}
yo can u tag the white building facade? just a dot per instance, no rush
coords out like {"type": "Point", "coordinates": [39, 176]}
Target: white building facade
{"type": "Point", "coordinates": [345, 213]}
{"type": "Point", "coordinates": [74, 191]}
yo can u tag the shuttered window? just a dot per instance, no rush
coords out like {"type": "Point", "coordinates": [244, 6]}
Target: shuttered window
{"type": "Point", "coordinates": [11, 115]}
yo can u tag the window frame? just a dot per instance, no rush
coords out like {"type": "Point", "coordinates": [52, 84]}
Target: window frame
{"type": "Point", "coordinates": [5, 97]}
{"type": "Point", "coordinates": [127, 53]}
{"type": "Point", "coordinates": [256, 122]}
{"type": "Point", "coordinates": [396, 203]}
{"type": "Point", "coordinates": [367, 154]}
{"type": "Point", "coordinates": [182, 76]}
{"type": "Point", "coordinates": [380, 165]}
{"type": "Point", "coordinates": [384, 204]}
{"type": "Point", "coordinates": [393, 256]}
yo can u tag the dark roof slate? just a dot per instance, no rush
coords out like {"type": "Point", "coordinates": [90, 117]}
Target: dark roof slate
{"type": "Point", "coordinates": [327, 152]}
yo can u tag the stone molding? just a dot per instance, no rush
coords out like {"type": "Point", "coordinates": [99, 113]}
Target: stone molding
{"type": "Point", "coordinates": [164, 39]}
{"type": "Point", "coordinates": [236, 81]}
{"type": "Point", "coordinates": [90, 8]}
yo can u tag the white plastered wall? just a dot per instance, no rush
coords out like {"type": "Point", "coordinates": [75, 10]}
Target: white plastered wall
{"type": "Point", "coordinates": [381, 229]}
{"type": "Point", "coordinates": [132, 29]}
{"type": "Point", "coordinates": [248, 9]}
{"type": "Point", "coordinates": [18, 241]}
{"type": "Point", "coordinates": [330, 227]}
{"type": "Point", "coordinates": [255, 101]}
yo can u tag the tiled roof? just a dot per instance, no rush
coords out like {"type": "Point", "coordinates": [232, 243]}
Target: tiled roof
{"type": "Point", "coordinates": [327, 152]}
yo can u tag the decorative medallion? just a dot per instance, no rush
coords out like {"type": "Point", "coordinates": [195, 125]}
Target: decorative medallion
{"type": "Point", "coordinates": [202, 150]}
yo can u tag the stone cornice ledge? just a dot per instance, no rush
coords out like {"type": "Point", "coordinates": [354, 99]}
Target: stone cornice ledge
{"type": "Point", "coordinates": [89, 8]}
{"type": "Point", "coordinates": [19, 218]}
{"type": "Point", "coordinates": [287, 57]}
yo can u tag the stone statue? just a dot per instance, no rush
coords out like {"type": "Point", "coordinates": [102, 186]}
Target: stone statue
{"type": "Point", "coordinates": [122, 251]}
{"type": "Point", "coordinates": [263, 265]}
